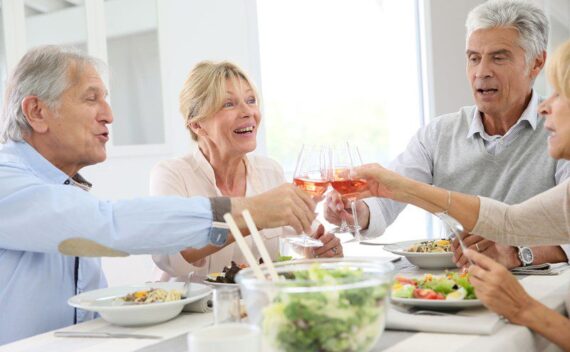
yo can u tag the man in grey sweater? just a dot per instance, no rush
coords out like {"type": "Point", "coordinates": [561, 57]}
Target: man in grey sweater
{"type": "Point", "coordinates": [497, 148]}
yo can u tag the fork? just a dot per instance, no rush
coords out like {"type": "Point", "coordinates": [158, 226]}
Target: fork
{"type": "Point", "coordinates": [187, 284]}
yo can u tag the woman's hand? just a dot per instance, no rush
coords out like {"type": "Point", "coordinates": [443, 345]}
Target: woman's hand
{"type": "Point", "coordinates": [498, 289]}
{"type": "Point", "coordinates": [331, 245]}
{"type": "Point", "coordinates": [337, 208]}
{"type": "Point", "coordinates": [381, 182]}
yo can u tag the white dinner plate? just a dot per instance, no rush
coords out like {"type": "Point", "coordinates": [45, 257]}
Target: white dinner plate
{"type": "Point", "coordinates": [219, 284]}
{"type": "Point", "coordinates": [442, 304]}
{"type": "Point", "coordinates": [422, 260]}
{"type": "Point", "coordinates": [104, 301]}
{"type": "Point", "coordinates": [213, 276]}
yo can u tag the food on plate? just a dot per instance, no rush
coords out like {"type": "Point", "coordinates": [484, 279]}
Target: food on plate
{"type": "Point", "coordinates": [450, 286]}
{"type": "Point", "coordinates": [228, 274]}
{"type": "Point", "coordinates": [435, 246]}
{"type": "Point", "coordinates": [153, 295]}
{"type": "Point", "coordinates": [326, 320]}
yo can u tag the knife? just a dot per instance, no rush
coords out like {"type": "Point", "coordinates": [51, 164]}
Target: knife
{"type": "Point", "coordinates": [101, 334]}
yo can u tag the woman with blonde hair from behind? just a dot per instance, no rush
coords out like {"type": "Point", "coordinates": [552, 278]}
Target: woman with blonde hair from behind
{"type": "Point", "coordinates": [220, 107]}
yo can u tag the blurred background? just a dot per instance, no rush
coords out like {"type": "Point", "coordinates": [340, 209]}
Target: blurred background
{"type": "Point", "coordinates": [368, 71]}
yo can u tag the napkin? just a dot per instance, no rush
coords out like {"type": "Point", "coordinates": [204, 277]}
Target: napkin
{"type": "Point", "coordinates": [479, 321]}
{"type": "Point", "coordinates": [203, 305]}
{"type": "Point", "coordinates": [541, 269]}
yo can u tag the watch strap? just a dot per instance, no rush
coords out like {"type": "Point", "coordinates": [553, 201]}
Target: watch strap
{"type": "Point", "coordinates": [220, 206]}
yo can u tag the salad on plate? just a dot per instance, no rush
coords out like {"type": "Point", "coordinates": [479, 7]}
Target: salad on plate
{"type": "Point", "coordinates": [451, 286]}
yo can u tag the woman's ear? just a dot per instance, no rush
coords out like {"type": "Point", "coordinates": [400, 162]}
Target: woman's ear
{"type": "Point", "coordinates": [196, 127]}
{"type": "Point", "coordinates": [35, 112]}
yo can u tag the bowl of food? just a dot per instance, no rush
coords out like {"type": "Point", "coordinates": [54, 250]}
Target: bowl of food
{"type": "Point", "coordinates": [143, 304]}
{"type": "Point", "coordinates": [319, 304]}
{"type": "Point", "coordinates": [428, 254]}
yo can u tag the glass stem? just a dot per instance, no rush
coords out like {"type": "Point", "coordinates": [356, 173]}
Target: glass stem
{"type": "Point", "coordinates": [357, 235]}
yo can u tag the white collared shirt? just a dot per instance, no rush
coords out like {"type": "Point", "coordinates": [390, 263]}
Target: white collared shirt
{"type": "Point", "coordinates": [496, 144]}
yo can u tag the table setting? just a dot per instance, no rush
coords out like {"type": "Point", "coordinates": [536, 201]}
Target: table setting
{"type": "Point", "coordinates": [396, 326]}
{"type": "Point", "coordinates": [381, 296]}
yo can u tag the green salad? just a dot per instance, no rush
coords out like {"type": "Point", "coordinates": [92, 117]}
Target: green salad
{"type": "Point", "coordinates": [330, 320]}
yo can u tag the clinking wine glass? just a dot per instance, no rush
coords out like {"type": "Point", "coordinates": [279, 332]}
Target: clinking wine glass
{"type": "Point", "coordinates": [342, 160]}
{"type": "Point", "coordinates": [311, 175]}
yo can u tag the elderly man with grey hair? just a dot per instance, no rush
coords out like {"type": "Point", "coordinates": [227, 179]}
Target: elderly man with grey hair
{"type": "Point", "coordinates": [496, 148]}
{"type": "Point", "coordinates": [54, 124]}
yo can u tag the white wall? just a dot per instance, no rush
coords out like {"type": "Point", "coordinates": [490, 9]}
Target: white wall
{"type": "Point", "coordinates": [194, 30]}
{"type": "Point", "coordinates": [189, 31]}
{"type": "Point", "coordinates": [450, 88]}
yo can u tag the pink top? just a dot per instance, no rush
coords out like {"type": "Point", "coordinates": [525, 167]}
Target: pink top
{"type": "Point", "coordinates": [192, 175]}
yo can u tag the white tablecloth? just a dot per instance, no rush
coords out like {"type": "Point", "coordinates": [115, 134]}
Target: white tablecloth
{"type": "Point", "coordinates": [550, 290]}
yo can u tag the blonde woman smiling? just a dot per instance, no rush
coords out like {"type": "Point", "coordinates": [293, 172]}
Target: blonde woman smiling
{"type": "Point", "coordinates": [220, 106]}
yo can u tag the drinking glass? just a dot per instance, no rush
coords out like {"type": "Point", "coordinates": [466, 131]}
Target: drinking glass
{"type": "Point", "coordinates": [311, 175]}
{"type": "Point", "coordinates": [343, 159]}
{"type": "Point", "coordinates": [226, 305]}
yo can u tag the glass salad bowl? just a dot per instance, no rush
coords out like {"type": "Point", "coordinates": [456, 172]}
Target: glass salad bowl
{"type": "Point", "coordinates": [319, 304]}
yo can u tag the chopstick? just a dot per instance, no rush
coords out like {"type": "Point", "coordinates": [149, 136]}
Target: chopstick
{"type": "Point", "coordinates": [260, 245]}
{"type": "Point", "coordinates": [243, 246]}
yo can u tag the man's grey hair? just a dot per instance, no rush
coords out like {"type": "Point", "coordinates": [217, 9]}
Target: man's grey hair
{"type": "Point", "coordinates": [528, 19]}
{"type": "Point", "coordinates": [42, 72]}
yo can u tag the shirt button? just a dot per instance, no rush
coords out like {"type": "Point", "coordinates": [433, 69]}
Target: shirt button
{"type": "Point", "coordinates": [66, 182]}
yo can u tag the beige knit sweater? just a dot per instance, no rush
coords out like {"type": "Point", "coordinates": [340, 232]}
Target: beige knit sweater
{"type": "Point", "coordinates": [542, 220]}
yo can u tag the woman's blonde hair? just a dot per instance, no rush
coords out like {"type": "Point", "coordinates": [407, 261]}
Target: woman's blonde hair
{"type": "Point", "coordinates": [204, 90]}
{"type": "Point", "coordinates": [558, 69]}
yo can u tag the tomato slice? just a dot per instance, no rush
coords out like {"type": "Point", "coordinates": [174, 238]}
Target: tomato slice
{"type": "Point", "coordinates": [406, 281]}
{"type": "Point", "coordinates": [427, 294]}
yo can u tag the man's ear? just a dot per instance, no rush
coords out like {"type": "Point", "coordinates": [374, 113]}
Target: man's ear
{"type": "Point", "coordinates": [35, 112]}
{"type": "Point", "coordinates": [538, 64]}
{"type": "Point", "coordinates": [197, 128]}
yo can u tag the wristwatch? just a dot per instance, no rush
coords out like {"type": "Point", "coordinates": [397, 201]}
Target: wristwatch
{"type": "Point", "coordinates": [218, 236]}
{"type": "Point", "coordinates": [525, 255]}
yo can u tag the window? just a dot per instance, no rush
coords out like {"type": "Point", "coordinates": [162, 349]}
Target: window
{"type": "Point", "coordinates": [335, 70]}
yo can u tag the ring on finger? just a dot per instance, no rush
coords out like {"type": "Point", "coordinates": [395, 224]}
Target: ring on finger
{"type": "Point", "coordinates": [334, 250]}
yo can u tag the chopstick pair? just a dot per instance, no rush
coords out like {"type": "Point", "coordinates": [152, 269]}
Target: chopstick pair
{"type": "Point", "coordinates": [240, 240]}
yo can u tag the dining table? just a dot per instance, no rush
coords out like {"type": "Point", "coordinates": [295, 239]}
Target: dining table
{"type": "Point", "coordinates": [550, 290]}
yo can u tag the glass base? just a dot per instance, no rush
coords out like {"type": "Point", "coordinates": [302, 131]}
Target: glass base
{"type": "Point", "coordinates": [345, 229]}
{"type": "Point", "coordinates": [304, 241]}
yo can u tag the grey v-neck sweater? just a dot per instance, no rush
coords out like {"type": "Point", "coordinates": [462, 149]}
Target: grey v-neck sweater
{"type": "Point", "coordinates": [460, 163]}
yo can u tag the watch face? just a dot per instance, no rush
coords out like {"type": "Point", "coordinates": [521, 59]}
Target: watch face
{"type": "Point", "coordinates": [527, 256]}
{"type": "Point", "coordinates": [218, 236]}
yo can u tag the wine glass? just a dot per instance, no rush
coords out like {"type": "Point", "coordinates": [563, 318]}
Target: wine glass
{"type": "Point", "coordinates": [343, 159]}
{"type": "Point", "coordinates": [311, 175]}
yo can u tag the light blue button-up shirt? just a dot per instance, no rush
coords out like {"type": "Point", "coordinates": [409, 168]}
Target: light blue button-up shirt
{"type": "Point", "coordinates": [38, 210]}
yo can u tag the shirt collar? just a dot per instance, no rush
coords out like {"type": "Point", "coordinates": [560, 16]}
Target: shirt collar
{"type": "Point", "coordinates": [46, 170]}
{"type": "Point", "coordinates": [530, 114]}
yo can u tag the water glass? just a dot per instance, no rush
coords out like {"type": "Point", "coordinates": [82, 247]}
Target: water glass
{"type": "Point", "coordinates": [235, 337]}
{"type": "Point", "coordinates": [226, 305]}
